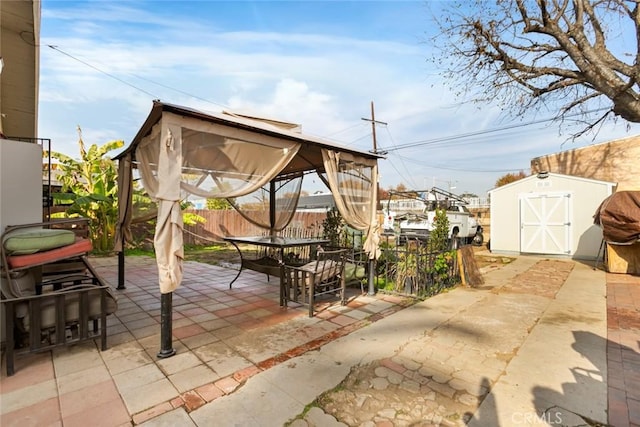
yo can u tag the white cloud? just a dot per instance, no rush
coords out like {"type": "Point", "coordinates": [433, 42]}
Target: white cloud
{"type": "Point", "coordinates": [323, 81]}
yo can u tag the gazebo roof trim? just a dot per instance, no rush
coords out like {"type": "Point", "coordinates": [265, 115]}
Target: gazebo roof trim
{"type": "Point", "coordinates": [234, 121]}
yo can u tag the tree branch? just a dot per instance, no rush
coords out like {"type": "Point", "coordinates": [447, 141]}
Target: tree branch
{"type": "Point", "coordinates": [526, 52]}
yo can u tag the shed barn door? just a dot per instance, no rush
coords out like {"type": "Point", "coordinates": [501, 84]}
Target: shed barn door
{"type": "Point", "coordinates": [545, 223]}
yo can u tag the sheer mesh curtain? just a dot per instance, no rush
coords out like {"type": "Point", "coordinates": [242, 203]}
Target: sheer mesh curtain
{"type": "Point", "coordinates": [147, 163]}
{"type": "Point", "coordinates": [224, 167]}
{"type": "Point", "coordinates": [353, 182]}
{"type": "Point", "coordinates": [214, 166]}
{"type": "Point", "coordinates": [287, 196]}
{"type": "Point", "coordinates": [125, 190]}
{"type": "Point", "coordinates": [207, 160]}
{"type": "Point", "coordinates": [160, 157]}
{"type": "Point", "coordinates": [255, 207]}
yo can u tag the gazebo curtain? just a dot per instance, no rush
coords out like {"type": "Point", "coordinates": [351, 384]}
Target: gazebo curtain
{"type": "Point", "coordinates": [192, 157]}
{"type": "Point", "coordinates": [211, 165]}
{"type": "Point", "coordinates": [353, 183]}
{"type": "Point", "coordinates": [281, 193]}
{"type": "Point", "coordinates": [184, 155]}
{"type": "Point", "coordinates": [125, 194]}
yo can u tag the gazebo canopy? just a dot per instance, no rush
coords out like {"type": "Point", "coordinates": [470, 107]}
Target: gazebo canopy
{"type": "Point", "coordinates": [309, 159]}
{"type": "Point", "coordinates": [181, 151]}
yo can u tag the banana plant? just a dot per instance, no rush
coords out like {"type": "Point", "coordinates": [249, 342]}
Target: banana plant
{"type": "Point", "coordinates": [89, 188]}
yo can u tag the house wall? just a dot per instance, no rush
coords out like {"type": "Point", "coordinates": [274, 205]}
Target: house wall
{"type": "Point", "coordinates": [19, 40]}
{"type": "Point", "coordinates": [586, 196]}
{"type": "Point", "coordinates": [614, 161]}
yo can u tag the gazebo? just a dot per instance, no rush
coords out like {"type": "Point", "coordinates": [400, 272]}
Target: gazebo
{"type": "Point", "coordinates": [180, 151]}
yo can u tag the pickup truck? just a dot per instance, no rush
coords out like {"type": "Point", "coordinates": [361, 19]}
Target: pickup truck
{"type": "Point", "coordinates": [462, 225]}
{"type": "Point", "coordinates": [418, 225]}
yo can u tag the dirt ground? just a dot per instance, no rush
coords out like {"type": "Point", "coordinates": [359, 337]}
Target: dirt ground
{"type": "Point", "coordinates": [485, 258]}
{"type": "Point", "coordinates": [214, 255]}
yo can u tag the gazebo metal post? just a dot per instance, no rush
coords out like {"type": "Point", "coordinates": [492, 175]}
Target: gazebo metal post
{"type": "Point", "coordinates": [166, 347]}
{"type": "Point", "coordinates": [272, 205]}
{"type": "Point", "coordinates": [371, 278]}
{"type": "Point", "coordinates": [121, 269]}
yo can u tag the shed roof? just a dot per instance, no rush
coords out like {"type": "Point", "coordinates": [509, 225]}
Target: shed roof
{"type": "Point", "coordinates": [551, 175]}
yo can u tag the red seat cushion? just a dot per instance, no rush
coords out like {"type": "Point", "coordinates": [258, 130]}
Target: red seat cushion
{"type": "Point", "coordinates": [79, 247]}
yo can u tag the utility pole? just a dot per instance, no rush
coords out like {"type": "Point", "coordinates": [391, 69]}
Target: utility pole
{"type": "Point", "coordinates": [373, 127]}
{"type": "Point", "coordinates": [372, 266]}
{"type": "Point", "coordinates": [375, 145]}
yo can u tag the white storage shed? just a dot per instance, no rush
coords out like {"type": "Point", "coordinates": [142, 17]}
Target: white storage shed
{"type": "Point", "coordinates": [548, 214]}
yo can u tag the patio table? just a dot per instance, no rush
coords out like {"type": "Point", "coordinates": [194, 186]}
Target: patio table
{"type": "Point", "coordinates": [270, 265]}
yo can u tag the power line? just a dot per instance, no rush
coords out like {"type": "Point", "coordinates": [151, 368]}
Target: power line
{"type": "Point", "coordinates": [476, 141]}
{"type": "Point", "coordinates": [344, 130]}
{"type": "Point", "coordinates": [101, 71]}
{"type": "Point", "coordinates": [57, 49]}
{"type": "Point", "coordinates": [395, 147]}
{"type": "Point", "coordinates": [409, 177]}
{"type": "Point", "coordinates": [481, 132]}
{"type": "Point", "coordinates": [412, 160]}
{"type": "Point", "coordinates": [368, 135]}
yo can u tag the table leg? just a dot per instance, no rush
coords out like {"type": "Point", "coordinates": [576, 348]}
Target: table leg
{"type": "Point", "coordinates": [283, 300]}
{"type": "Point", "coordinates": [241, 263]}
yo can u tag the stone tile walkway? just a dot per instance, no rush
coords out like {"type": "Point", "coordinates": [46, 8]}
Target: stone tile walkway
{"type": "Point", "coordinates": [526, 341]}
{"type": "Point", "coordinates": [475, 355]}
{"type": "Point", "coordinates": [442, 377]}
{"type": "Point", "coordinates": [623, 350]}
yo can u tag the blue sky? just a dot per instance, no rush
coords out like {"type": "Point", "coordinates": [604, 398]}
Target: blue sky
{"type": "Point", "coordinates": [319, 64]}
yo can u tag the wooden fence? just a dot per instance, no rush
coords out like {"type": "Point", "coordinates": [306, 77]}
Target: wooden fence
{"type": "Point", "coordinates": [222, 223]}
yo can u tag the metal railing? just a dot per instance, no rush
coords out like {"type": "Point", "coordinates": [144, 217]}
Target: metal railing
{"type": "Point", "coordinates": [415, 268]}
{"type": "Point", "coordinates": [478, 202]}
{"type": "Point", "coordinates": [411, 268]}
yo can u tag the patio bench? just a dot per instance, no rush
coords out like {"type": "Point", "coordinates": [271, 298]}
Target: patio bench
{"type": "Point", "coordinates": [51, 294]}
{"type": "Point", "coordinates": [356, 266]}
{"type": "Point", "coordinates": [323, 276]}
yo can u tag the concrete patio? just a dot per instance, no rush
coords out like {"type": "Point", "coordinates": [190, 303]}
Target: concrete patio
{"type": "Point", "coordinates": [542, 341]}
{"type": "Point", "coordinates": [221, 336]}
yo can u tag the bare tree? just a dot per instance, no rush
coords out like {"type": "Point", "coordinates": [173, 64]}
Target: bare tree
{"type": "Point", "coordinates": [575, 58]}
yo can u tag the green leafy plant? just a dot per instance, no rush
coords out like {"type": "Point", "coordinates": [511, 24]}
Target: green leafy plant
{"type": "Point", "coordinates": [89, 187]}
{"type": "Point", "coordinates": [333, 227]}
{"type": "Point", "coordinates": [442, 266]}
{"type": "Point", "coordinates": [439, 237]}
{"type": "Point", "coordinates": [407, 272]}
{"type": "Point", "coordinates": [387, 259]}
{"type": "Point", "coordinates": [385, 283]}
{"type": "Point", "coordinates": [218, 204]}
{"type": "Point", "coordinates": [190, 218]}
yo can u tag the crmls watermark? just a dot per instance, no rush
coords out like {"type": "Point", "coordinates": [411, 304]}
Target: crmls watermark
{"type": "Point", "coordinates": [533, 418]}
